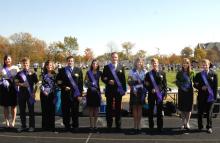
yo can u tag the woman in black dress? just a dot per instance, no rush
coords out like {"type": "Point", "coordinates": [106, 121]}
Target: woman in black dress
{"type": "Point", "coordinates": [184, 80]}
{"type": "Point", "coordinates": [47, 97]}
{"type": "Point", "coordinates": [93, 94]}
{"type": "Point", "coordinates": [8, 93]}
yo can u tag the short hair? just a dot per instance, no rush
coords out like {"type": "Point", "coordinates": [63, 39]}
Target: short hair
{"type": "Point", "coordinates": [154, 60]}
{"type": "Point", "coordinates": [69, 57]}
{"type": "Point", "coordinates": [206, 61]}
{"type": "Point", "coordinates": [113, 53]}
{"type": "Point", "coordinates": [25, 59]}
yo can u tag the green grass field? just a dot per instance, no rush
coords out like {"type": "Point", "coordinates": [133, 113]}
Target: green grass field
{"type": "Point", "coordinates": [171, 77]}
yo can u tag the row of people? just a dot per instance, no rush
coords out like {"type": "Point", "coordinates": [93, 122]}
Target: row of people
{"type": "Point", "coordinates": [22, 84]}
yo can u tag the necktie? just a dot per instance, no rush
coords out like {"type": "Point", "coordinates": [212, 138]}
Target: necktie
{"type": "Point", "coordinates": [71, 69]}
{"type": "Point", "coordinates": [26, 72]}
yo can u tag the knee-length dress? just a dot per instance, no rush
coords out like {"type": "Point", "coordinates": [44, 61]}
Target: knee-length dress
{"type": "Point", "coordinates": [8, 93]}
{"type": "Point", "coordinates": [93, 95]}
{"type": "Point", "coordinates": [185, 90]}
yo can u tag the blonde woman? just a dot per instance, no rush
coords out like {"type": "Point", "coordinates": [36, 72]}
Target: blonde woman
{"type": "Point", "coordinates": [184, 80]}
{"type": "Point", "coordinates": [137, 92]}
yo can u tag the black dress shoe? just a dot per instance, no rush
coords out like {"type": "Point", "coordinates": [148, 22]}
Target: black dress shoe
{"type": "Point", "coordinates": [95, 130]}
{"type": "Point", "coordinates": [67, 129]}
{"type": "Point", "coordinates": [75, 130]}
{"type": "Point", "coordinates": [200, 128]}
{"type": "Point", "coordinates": [160, 130]}
{"type": "Point", "coordinates": [138, 131]}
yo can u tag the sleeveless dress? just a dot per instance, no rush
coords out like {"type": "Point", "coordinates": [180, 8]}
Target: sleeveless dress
{"type": "Point", "coordinates": [8, 94]}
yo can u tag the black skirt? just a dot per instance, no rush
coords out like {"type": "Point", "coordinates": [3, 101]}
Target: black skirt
{"type": "Point", "coordinates": [93, 98]}
{"type": "Point", "coordinates": [137, 99]}
{"type": "Point", "coordinates": [185, 100]}
{"type": "Point", "coordinates": [8, 96]}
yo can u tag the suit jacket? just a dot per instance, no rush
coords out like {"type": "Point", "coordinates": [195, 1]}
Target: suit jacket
{"type": "Point", "coordinates": [107, 75]}
{"type": "Point", "coordinates": [161, 81]}
{"type": "Point", "coordinates": [31, 78]}
{"type": "Point", "coordinates": [63, 81]}
{"type": "Point", "coordinates": [199, 83]}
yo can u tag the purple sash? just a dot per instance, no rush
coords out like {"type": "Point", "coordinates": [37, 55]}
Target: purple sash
{"type": "Point", "coordinates": [4, 81]}
{"type": "Point", "coordinates": [211, 94]}
{"type": "Point", "coordinates": [188, 83]}
{"type": "Point", "coordinates": [8, 73]}
{"type": "Point", "coordinates": [120, 89]}
{"type": "Point", "coordinates": [49, 81]}
{"type": "Point", "coordinates": [11, 78]}
{"type": "Point", "coordinates": [94, 83]}
{"type": "Point", "coordinates": [74, 86]}
{"type": "Point", "coordinates": [143, 89]}
{"type": "Point", "coordinates": [158, 93]}
{"type": "Point", "coordinates": [51, 87]}
{"type": "Point", "coordinates": [24, 78]}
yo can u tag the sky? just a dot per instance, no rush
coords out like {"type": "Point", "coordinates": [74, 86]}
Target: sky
{"type": "Point", "coordinates": [156, 26]}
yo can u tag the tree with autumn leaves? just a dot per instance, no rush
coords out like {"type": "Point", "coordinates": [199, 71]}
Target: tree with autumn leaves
{"type": "Point", "coordinates": [19, 45]}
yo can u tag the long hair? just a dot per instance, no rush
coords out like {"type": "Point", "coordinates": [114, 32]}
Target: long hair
{"type": "Point", "coordinates": [139, 60]}
{"type": "Point", "coordinates": [45, 67]}
{"type": "Point", "coordinates": [186, 60]}
{"type": "Point", "coordinates": [91, 67]}
{"type": "Point", "coordinates": [5, 58]}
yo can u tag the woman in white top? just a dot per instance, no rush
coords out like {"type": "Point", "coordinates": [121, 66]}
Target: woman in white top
{"type": "Point", "coordinates": [137, 92]}
{"type": "Point", "coordinates": [8, 90]}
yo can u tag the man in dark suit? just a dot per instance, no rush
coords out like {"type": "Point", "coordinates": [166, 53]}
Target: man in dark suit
{"type": "Point", "coordinates": [206, 82]}
{"type": "Point", "coordinates": [70, 79]}
{"type": "Point", "coordinates": [156, 84]}
{"type": "Point", "coordinates": [114, 78]}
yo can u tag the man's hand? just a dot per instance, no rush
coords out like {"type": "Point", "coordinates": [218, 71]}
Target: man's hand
{"type": "Point", "coordinates": [79, 98]}
{"type": "Point", "coordinates": [45, 93]}
{"type": "Point", "coordinates": [33, 96]}
{"type": "Point", "coordinates": [153, 91]}
{"type": "Point", "coordinates": [67, 88]}
{"type": "Point", "coordinates": [204, 88]}
{"type": "Point", "coordinates": [111, 82]}
{"type": "Point", "coordinates": [23, 84]}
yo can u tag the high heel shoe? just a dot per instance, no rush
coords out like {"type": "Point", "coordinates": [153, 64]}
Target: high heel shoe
{"type": "Point", "coordinates": [7, 123]}
{"type": "Point", "coordinates": [12, 124]}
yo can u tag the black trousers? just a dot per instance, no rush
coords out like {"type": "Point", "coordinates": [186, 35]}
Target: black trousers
{"type": "Point", "coordinates": [205, 107]}
{"type": "Point", "coordinates": [113, 107]}
{"type": "Point", "coordinates": [70, 109]}
{"type": "Point", "coordinates": [152, 100]}
{"type": "Point", "coordinates": [23, 99]}
{"type": "Point", "coordinates": [48, 111]}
